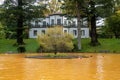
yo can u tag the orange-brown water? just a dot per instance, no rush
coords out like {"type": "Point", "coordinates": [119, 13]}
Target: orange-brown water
{"type": "Point", "coordinates": [98, 67]}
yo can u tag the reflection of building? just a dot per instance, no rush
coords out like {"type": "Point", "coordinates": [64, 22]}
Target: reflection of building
{"type": "Point", "coordinates": [40, 25]}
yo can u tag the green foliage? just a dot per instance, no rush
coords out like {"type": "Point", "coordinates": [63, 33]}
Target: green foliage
{"type": "Point", "coordinates": [113, 25]}
{"type": "Point", "coordinates": [2, 32]}
{"type": "Point", "coordinates": [52, 7]}
{"type": "Point", "coordinates": [55, 40]}
{"type": "Point", "coordinates": [72, 7]}
{"type": "Point", "coordinates": [103, 7]}
{"type": "Point", "coordinates": [97, 8]}
{"type": "Point", "coordinates": [90, 9]}
{"type": "Point", "coordinates": [10, 12]}
{"type": "Point", "coordinates": [15, 14]}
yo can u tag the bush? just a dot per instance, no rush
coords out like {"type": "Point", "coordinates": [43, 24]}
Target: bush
{"type": "Point", "coordinates": [55, 40]}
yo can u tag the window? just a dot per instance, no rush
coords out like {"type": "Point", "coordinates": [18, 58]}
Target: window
{"type": "Point", "coordinates": [43, 31]}
{"type": "Point", "coordinates": [83, 32]}
{"type": "Point", "coordinates": [74, 32]}
{"type": "Point", "coordinates": [65, 31]}
{"type": "Point", "coordinates": [69, 23]}
{"type": "Point", "coordinates": [35, 32]}
{"type": "Point", "coordinates": [59, 21]}
{"type": "Point", "coordinates": [44, 23]}
{"type": "Point", "coordinates": [52, 22]}
{"type": "Point", "coordinates": [74, 23]}
{"type": "Point", "coordinates": [65, 22]}
{"type": "Point", "coordinates": [36, 23]}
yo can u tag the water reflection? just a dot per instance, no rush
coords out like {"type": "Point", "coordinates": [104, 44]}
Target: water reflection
{"type": "Point", "coordinates": [100, 64]}
{"type": "Point", "coordinates": [98, 67]}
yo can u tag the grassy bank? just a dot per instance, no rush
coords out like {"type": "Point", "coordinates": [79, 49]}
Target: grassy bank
{"type": "Point", "coordinates": [107, 45]}
{"type": "Point", "coordinates": [6, 45]}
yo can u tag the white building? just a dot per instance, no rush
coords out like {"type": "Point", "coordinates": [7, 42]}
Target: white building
{"type": "Point", "coordinates": [40, 25]}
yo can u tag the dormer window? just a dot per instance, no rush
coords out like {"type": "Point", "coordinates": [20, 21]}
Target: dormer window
{"type": "Point", "coordinates": [69, 23]}
{"type": "Point", "coordinates": [74, 23]}
{"type": "Point", "coordinates": [36, 23]}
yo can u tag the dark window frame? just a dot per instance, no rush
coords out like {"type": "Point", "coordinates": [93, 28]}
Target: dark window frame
{"type": "Point", "coordinates": [35, 32]}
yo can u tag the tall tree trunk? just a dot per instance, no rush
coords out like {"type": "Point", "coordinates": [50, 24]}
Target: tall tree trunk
{"type": "Point", "coordinates": [116, 35]}
{"type": "Point", "coordinates": [78, 26]}
{"type": "Point", "coordinates": [93, 33]}
{"type": "Point", "coordinates": [55, 49]}
{"type": "Point", "coordinates": [20, 28]}
{"type": "Point", "coordinates": [79, 32]}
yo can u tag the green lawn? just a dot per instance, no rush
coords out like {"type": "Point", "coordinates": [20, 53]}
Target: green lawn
{"type": "Point", "coordinates": [109, 45]}
{"type": "Point", "coordinates": [6, 45]}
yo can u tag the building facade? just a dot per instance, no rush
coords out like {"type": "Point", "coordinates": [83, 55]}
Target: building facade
{"type": "Point", "coordinates": [40, 25]}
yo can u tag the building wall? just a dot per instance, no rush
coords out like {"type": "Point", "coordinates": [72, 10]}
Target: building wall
{"type": "Point", "coordinates": [39, 31]}
{"type": "Point", "coordinates": [70, 26]}
{"type": "Point", "coordinates": [48, 20]}
{"type": "Point", "coordinates": [73, 31]}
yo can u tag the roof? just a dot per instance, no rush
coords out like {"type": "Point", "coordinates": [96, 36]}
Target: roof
{"type": "Point", "coordinates": [61, 14]}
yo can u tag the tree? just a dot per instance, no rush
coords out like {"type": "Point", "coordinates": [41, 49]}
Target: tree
{"type": "Point", "coordinates": [52, 6]}
{"type": "Point", "coordinates": [116, 5]}
{"type": "Point", "coordinates": [113, 24]}
{"type": "Point", "coordinates": [55, 40]}
{"type": "Point", "coordinates": [98, 8]}
{"type": "Point", "coordinates": [16, 14]}
{"type": "Point", "coordinates": [92, 19]}
{"type": "Point", "coordinates": [91, 9]}
{"type": "Point", "coordinates": [111, 10]}
{"type": "Point", "coordinates": [75, 8]}
{"type": "Point", "coordinates": [2, 31]}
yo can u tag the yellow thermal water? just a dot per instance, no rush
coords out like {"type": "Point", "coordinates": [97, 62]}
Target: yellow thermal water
{"type": "Point", "coordinates": [97, 67]}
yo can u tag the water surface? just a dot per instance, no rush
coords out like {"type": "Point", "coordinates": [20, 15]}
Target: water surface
{"type": "Point", "coordinates": [97, 67]}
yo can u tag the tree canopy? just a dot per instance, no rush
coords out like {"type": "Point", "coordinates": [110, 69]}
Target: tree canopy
{"type": "Point", "coordinates": [10, 10]}
{"type": "Point", "coordinates": [90, 9]}
{"type": "Point", "coordinates": [113, 24]}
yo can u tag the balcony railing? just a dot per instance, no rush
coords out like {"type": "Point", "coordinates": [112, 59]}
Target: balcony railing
{"type": "Point", "coordinates": [45, 26]}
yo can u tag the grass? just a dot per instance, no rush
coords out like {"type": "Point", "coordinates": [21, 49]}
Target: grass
{"type": "Point", "coordinates": [107, 45]}
{"type": "Point", "coordinates": [6, 45]}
